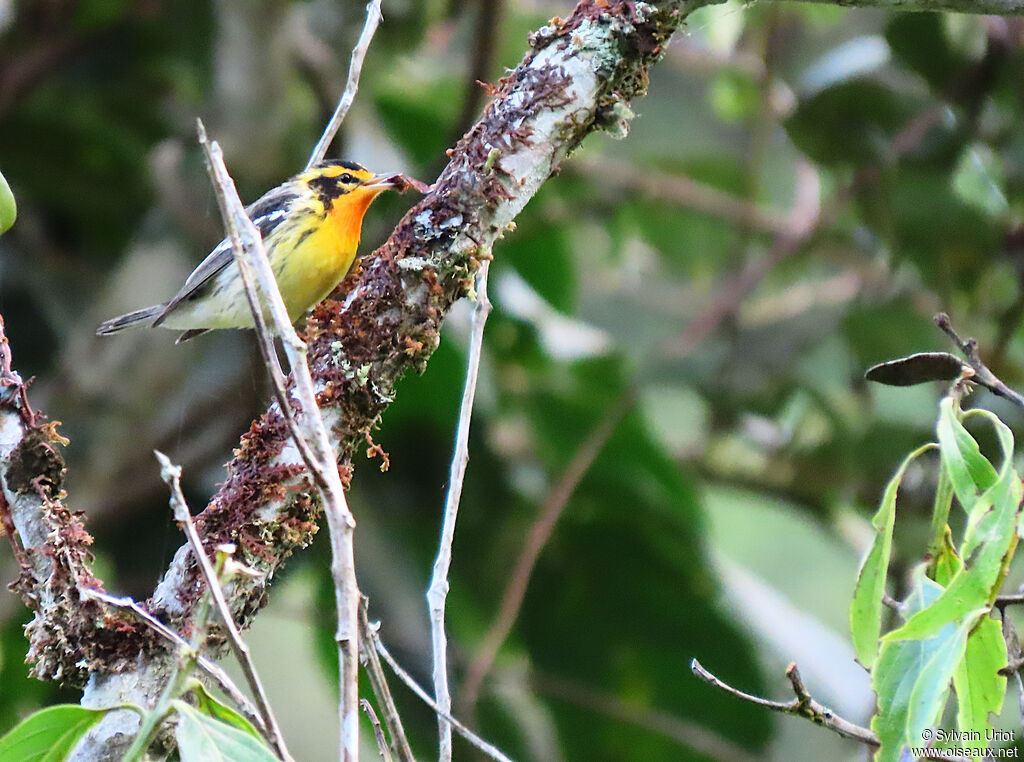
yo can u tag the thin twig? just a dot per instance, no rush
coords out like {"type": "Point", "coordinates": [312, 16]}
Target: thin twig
{"type": "Point", "coordinates": [684, 732]}
{"type": "Point", "coordinates": [316, 452]}
{"type": "Point", "coordinates": [803, 705]}
{"type": "Point", "coordinates": [355, 68]}
{"type": "Point", "coordinates": [539, 534]}
{"type": "Point", "coordinates": [171, 474]}
{"type": "Point", "coordinates": [438, 591]}
{"type": "Point", "coordinates": [214, 670]}
{"type": "Point", "coordinates": [378, 731]}
{"type": "Point", "coordinates": [379, 683]}
{"type": "Point", "coordinates": [488, 749]}
{"type": "Point", "coordinates": [982, 375]}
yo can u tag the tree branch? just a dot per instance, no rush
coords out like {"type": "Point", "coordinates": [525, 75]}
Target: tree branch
{"type": "Point", "coordinates": [803, 705]}
{"type": "Point", "coordinates": [576, 79]}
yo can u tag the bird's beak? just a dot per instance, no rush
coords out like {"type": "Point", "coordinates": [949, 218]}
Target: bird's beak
{"type": "Point", "coordinates": [399, 182]}
{"type": "Point", "coordinates": [385, 182]}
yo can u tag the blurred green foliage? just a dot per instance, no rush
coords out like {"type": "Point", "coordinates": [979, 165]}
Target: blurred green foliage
{"type": "Point", "coordinates": [746, 367]}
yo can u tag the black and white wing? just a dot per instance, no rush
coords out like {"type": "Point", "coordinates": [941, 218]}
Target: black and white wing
{"type": "Point", "coordinates": [267, 213]}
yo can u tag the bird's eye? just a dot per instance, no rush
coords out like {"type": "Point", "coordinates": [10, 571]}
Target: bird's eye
{"type": "Point", "coordinates": [346, 178]}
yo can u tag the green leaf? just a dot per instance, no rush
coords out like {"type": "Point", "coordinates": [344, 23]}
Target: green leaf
{"type": "Point", "coordinates": [980, 688]}
{"type": "Point", "coordinates": [210, 706]}
{"type": "Point", "coordinates": [8, 207]}
{"type": "Point", "coordinates": [911, 678]}
{"type": "Point", "coordinates": [204, 739]}
{"type": "Point", "coordinates": [931, 684]}
{"type": "Point", "coordinates": [969, 471]}
{"type": "Point", "coordinates": [981, 518]}
{"type": "Point", "coordinates": [49, 735]}
{"type": "Point", "coordinates": [852, 122]}
{"type": "Point", "coordinates": [866, 607]}
{"type": "Point", "coordinates": [990, 532]}
{"type": "Point", "coordinates": [946, 563]}
{"type": "Point", "coordinates": [919, 41]}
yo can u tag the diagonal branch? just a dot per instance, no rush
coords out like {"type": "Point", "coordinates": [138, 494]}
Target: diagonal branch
{"type": "Point", "coordinates": [576, 78]}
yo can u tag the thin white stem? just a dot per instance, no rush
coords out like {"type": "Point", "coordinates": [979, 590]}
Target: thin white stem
{"type": "Point", "coordinates": [379, 683]}
{"type": "Point", "coordinates": [490, 750]}
{"type": "Point", "coordinates": [309, 434]}
{"type": "Point", "coordinates": [438, 592]}
{"type": "Point", "coordinates": [378, 731]}
{"type": "Point", "coordinates": [171, 474]}
{"type": "Point", "coordinates": [355, 68]}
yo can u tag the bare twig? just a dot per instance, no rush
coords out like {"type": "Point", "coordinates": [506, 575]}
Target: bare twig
{"type": "Point", "coordinates": [803, 705]}
{"type": "Point", "coordinates": [684, 732]}
{"type": "Point", "coordinates": [355, 68]}
{"type": "Point", "coordinates": [438, 591]}
{"type": "Point", "coordinates": [982, 375]}
{"type": "Point", "coordinates": [379, 683]}
{"type": "Point", "coordinates": [488, 749]}
{"type": "Point", "coordinates": [378, 731]}
{"type": "Point", "coordinates": [250, 256]}
{"type": "Point", "coordinates": [171, 474]}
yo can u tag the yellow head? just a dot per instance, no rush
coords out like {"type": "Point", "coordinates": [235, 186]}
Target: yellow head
{"type": "Point", "coordinates": [346, 190]}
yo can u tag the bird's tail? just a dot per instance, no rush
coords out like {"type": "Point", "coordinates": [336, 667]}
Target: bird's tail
{"type": "Point", "coordinates": [148, 315]}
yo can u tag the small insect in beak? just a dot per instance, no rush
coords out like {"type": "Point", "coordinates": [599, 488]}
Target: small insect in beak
{"type": "Point", "coordinates": [398, 182]}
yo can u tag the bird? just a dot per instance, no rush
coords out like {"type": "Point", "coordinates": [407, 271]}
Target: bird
{"type": "Point", "coordinates": [310, 225]}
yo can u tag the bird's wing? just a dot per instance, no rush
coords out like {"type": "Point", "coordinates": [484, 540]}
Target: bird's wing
{"type": "Point", "coordinates": [267, 214]}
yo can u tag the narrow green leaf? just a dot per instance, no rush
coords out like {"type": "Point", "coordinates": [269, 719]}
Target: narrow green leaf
{"type": "Point", "coordinates": [866, 607]}
{"type": "Point", "coordinates": [49, 735]}
{"type": "Point", "coordinates": [8, 207]}
{"type": "Point", "coordinates": [991, 531]}
{"type": "Point", "coordinates": [947, 563]}
{"type": "Point", "coordinates": [940, 519]}
{"type": "Point", "coordinates": [205, 739]}
{"type": "Point", "coordinates": [912, 677]}
{"type": "Point", "coordinates": [931, 683]}
{"type": "Point", "coordinates": [209, 705]}
{"type": "Point", "coordinates": [975, 585]}
{"type": "Point", "coordinates": [979, 686]}
{"type": "Point", "coordinates": [894, 677]}
{"type": "Point", "coordinates": [969, 471]}
{"type": "Point", "coordinates": [981, 519]}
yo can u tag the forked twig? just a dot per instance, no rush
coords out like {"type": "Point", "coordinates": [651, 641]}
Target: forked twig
{"type": "Point", "coordinates": [803, 705]}
{"type": "Point", "coordinates": [379, 683]}
{"type": "Point", "coordinates": [982, 375]}
{"type": "Point", "coordinates": [489, 749]}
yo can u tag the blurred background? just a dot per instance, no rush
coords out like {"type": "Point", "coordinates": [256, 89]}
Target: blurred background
{"type": "Point", "coordinates": [673, 369]}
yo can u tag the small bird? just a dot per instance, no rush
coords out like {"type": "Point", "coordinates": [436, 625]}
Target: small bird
{"type": "Point", "coordinates": [310, 226]}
